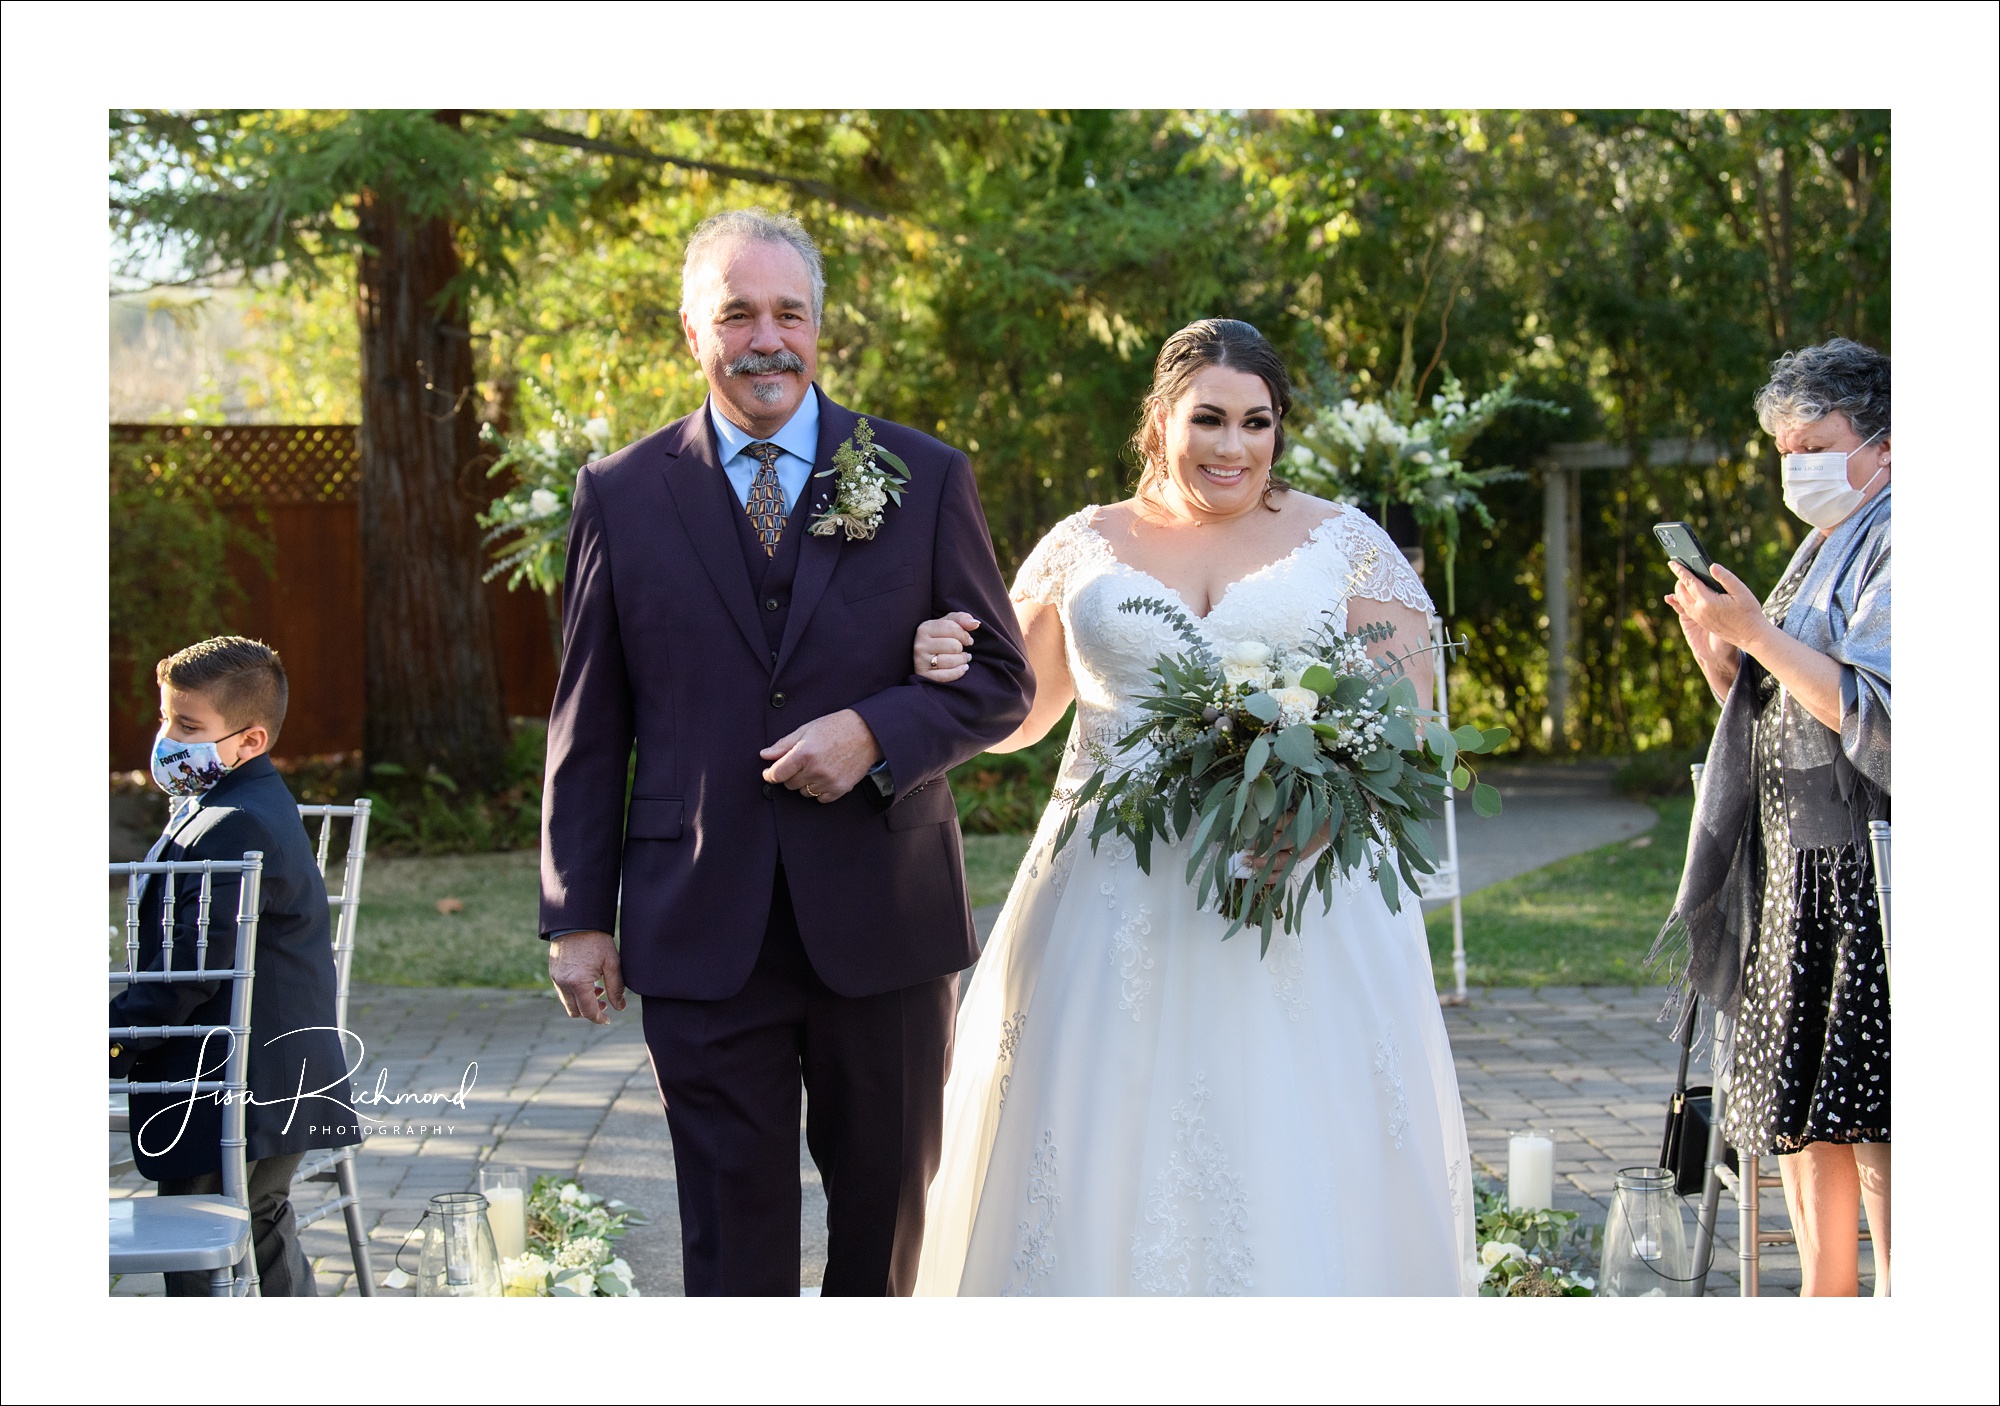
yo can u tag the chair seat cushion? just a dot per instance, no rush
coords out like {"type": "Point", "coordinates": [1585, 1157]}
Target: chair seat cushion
{"type": "Point", "coordinates": [163, 1234]}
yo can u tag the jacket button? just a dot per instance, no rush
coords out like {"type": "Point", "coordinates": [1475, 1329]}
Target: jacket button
{"type": "Point", "coordinates": [769, 789]}
{"type": "Point", "coordinates": [777, 700]}
{"type": "Point", "coordinates": [771, 604]}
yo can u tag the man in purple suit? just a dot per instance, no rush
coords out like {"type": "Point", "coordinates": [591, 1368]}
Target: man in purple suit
{"type": "Point", "coordinates": [786, 877]}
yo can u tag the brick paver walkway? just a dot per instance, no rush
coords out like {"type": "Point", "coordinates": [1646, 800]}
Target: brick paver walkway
{"type": "Point", "coordinates": [559, 1095]}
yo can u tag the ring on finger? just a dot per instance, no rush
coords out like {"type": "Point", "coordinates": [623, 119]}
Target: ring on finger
{"type": "Point", "coordinates": [810, 792]}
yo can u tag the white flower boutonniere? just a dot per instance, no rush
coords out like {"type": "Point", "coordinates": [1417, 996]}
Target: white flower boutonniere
{"type": "Point", "coordinates": [867, 478]}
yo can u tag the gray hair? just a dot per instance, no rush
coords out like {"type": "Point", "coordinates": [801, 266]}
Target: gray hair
{"type": "Point", "coordinates": [754, 223]}
{"type": "Point", "coordinates": [1836, 375]}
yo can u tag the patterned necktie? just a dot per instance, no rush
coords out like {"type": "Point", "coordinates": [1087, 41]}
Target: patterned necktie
{"type": "Point", "coordinates": [766, 503]}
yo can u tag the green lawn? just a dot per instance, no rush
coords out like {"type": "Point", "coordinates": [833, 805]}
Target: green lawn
{"type": "Point", "coordinates": [1582, 921]}
{"type": "Point", "coordinates": [403, 940]}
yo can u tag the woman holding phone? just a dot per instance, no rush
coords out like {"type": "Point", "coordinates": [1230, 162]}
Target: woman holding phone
{"type": "Point", "coordinates": [1777, 906]}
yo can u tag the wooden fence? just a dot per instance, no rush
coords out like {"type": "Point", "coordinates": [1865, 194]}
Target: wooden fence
{"type": "Point", "coordinates": [304, 481]}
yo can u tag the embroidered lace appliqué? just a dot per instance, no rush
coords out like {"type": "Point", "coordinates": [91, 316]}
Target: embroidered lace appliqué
{"type": "Point", "coordinates": [1378, 569]}
{"type": "Point", "coordinates": [1010, 1036]}
{"type": "Point", "coordinates": [1132, 958]}
{"type": "Point", "coordinates": [1036, 1256]}
{"type": "Point", "coordinates": [1287, 963]}
{"type": "Point", "coordinates": [1199, 1172]}
{"type": "Point", "coordinates": [1044, 576]}
{"type": "Point", "coordinates": [1389, 1064]}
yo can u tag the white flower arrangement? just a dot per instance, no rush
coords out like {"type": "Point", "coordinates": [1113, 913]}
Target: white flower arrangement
{"type": "Point", "coordinates": [1388, 452]}
{"type": "Point", "coordinates": [569, 1255]}
{"type": "Point", "coordinates": [867, 478]}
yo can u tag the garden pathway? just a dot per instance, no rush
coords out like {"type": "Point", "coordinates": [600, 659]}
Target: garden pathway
{"type": "Point", "coordinates": [559, 1095]}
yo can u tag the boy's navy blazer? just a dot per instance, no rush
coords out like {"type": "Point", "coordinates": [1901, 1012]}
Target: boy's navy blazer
{"type": "Point", "coordinates": [298, 1073]}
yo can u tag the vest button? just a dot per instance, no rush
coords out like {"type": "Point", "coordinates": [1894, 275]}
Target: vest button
{"type": "Point", "coordinates": [771, 603]}
{"type": "Point", "coordinates": [777, 700]}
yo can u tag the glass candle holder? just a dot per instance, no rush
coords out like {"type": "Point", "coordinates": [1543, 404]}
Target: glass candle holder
{"type": "Point", "coordinates": [1531, 1169]}
{"type": "Point", "coordinates": [1645, 1245]}
{"type": "Point", "coordinates": [459, 1260]}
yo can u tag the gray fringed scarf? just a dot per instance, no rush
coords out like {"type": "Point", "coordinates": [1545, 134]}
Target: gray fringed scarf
{"type": "Point", "coordinates": [1834, 784]}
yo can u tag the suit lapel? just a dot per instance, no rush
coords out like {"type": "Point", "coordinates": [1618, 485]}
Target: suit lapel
{"type": "Point", "coordinates": [817, 555]}
{"type": "Point", "coordinates": [701, 495]}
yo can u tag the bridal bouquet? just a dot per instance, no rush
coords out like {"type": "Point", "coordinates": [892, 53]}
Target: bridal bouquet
{"type": "Point", "coordinates": [1257, 752]}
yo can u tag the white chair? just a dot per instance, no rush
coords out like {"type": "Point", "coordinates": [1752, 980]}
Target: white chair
{"type": "Point", "coordinates": [335, 1166]}
{"type": "Point", "coordinates": [179, 1234]}
{"type": "Point", "coordinates": [1442, 882]}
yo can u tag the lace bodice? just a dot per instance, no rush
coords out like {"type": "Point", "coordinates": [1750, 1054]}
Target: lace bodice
{"type": "Point", "coordinates": [1111, 651]}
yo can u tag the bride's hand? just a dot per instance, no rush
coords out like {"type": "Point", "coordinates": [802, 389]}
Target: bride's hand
{"type": "Point", "coordinates": [943, 648]}
{"type": "Point", "coordinates": [1274, 864]}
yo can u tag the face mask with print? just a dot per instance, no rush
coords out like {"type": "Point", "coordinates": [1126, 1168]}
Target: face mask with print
{"type": "Point", "coordinates": [188, 768]}
{"type": "Point", "coordinates": [1816, 486]}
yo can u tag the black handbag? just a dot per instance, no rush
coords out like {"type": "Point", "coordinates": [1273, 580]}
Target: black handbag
{"type": "Point", "coordinates": [1690, 1111]}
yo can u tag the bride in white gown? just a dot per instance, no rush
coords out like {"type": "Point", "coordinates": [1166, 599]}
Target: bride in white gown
{"type": "Point", "coordinates": [1135, 1105]}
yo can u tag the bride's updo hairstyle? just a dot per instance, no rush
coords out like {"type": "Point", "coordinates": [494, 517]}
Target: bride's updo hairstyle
{"type": "Point", "coordinates": [1213, 341]}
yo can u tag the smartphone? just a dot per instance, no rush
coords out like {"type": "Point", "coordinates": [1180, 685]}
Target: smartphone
{"type": "Point", "coordinates": [1684, 547]}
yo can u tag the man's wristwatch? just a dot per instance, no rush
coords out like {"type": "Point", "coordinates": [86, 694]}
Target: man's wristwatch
{"type": "Point", "coordinates": [884, 782]}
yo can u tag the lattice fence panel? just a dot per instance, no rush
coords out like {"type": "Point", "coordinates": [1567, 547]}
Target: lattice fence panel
{"type": "Point", "coordinates": [270, 463]}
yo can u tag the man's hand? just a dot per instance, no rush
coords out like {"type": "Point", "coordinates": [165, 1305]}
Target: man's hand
{"type": "Point", "coordinates": [826, 758]}
{"type": "Point", "coordinates": [583, 964]}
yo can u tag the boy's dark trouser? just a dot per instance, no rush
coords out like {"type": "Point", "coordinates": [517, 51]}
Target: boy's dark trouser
{"type": "Point", "coordinates": [729, 1073]}
{"type": "Point", "coordinates": [282, 1270]}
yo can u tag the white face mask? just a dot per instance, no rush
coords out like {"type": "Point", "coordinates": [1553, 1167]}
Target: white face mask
{"type": "Point", "coordinates": [1816, 486]}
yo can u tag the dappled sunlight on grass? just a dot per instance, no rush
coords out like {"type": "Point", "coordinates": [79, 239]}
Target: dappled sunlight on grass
{"type": "Point", "coordinates": [1582, 921]}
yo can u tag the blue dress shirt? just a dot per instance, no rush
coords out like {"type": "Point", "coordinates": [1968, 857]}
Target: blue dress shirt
{"type": "Point", "coordinates": [799, 440]}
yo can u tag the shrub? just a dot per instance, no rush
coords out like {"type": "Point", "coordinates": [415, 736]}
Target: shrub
{"type": "Point", "coordinates": [170, 579]}
{"type": "Point", "coordinates": [1659, 773]}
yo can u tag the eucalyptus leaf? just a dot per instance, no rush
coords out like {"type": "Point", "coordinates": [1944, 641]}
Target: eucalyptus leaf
{"type": "Point", "coordinates": [1385, 878]}
{"type": "Point", "coordinates": [1266, 795]}
{"type": "Point", "coordinates": [1398, 733]}
{"type": "Point", "coordinates": [1442, 744]}
{"type": "Point", "coordinates": [1319, 679]}
{"type": "Point", "coordinates": [1469, 738]}
{"type": "Point", "coordinates": [1297, 745]}
{"type": "Point", "coordinates": [1486, 799]}
{"type": "Point", "coordinates": [1254, 759]}
{"type": "Point", "coordinates": [1261, 706]}
{"type": "Point", "coordinates": [1460, 777]}
{"type": "Point", "coordinates": [1495, 736]}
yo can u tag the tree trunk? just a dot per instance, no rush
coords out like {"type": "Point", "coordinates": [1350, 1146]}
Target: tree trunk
{"type": "Point", "coordinates": [431, 671]}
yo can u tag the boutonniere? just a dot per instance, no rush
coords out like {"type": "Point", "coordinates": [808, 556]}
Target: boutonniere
{"type": "Point", "coordinates": [867, 478]}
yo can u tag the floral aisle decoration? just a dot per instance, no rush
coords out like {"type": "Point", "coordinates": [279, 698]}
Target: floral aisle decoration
{"type": "Point", "coordinates": [570, 1239]}
{"type": "Point", "coordinates": [527, 526]}
{"type": "Point", "coordinates": [1394, 451]}
{"type": "Point", "coordinates": [1304, 764]}
{"type": "Point", "coordinates": [1541, 1254]}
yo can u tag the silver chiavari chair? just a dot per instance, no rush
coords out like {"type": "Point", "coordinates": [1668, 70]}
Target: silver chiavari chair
{"type": "Point", "coordinates": [1878, 845]}
{"type": "Point", "coordinates": [173, 1234]}
{"type": "Point", "coordinates": [335, 1166]}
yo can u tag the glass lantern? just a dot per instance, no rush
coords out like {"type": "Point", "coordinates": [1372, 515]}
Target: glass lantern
{"type": "Point", "coordinates": [1645, 1247]}
{"type": "Point", "coordinates": [459, 1259]}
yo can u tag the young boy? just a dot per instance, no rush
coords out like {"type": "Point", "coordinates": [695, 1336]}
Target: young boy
{"type": "Point", "coordinates": [222, 703]}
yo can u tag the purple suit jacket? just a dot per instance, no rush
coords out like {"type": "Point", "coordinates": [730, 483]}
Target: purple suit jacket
{"type": "Point", "coordinates": [663, 647]}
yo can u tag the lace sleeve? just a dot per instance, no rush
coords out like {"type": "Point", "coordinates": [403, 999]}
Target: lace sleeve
{"type": "Point", "coordinates": [1044, 576]}
{"type": "Point", "coordinates": [1377, 568]}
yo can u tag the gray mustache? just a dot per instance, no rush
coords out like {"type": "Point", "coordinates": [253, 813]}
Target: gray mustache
{"type": "Point", "coordinates": [758, 364]}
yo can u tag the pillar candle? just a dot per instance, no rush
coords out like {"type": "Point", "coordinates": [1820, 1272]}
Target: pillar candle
{"type": "Point", "coordinates": [1531, 1164]}
{"type": "Point", "coordinates": [507, 1212]}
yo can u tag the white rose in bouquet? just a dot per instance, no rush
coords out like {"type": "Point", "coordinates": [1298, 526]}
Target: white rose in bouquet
{"type": "Point", "coordinates": [1247, 662]}
{"type": "Point", "coordinates": [524, 1276]}
{"type": "Point", "coordinates": [1295, 705]}
{"type": "Point", "coordinates": [542, 503]}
